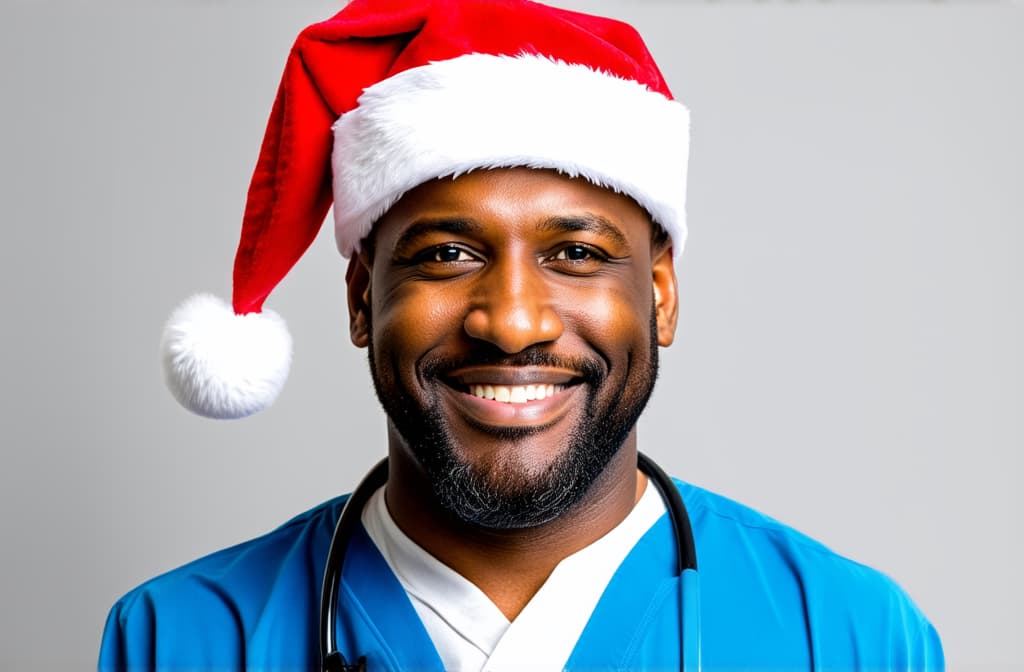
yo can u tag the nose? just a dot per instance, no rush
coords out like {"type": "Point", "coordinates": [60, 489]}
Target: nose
{"type": "Point", "coordinates": [513, 307]}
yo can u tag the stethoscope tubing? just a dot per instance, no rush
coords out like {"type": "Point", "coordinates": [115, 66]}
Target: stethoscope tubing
{"type": "Point", "coordinates": [331, 660]}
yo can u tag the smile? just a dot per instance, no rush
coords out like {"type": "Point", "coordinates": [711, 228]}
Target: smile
{"type": "Point", "coordinates": [514, 394]}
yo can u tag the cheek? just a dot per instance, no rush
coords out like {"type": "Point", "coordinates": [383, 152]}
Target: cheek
{"type": "Point", "coordinates": [616, 318]}
{"type": "Point", "coordinates": [407, 322]}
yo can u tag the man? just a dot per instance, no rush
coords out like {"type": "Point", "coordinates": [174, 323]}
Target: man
{"type": "Point", "coordinates": [508, 181]}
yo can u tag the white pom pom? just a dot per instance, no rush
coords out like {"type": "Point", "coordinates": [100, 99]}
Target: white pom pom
{"type": "Point", "coordinates": [222, 365]}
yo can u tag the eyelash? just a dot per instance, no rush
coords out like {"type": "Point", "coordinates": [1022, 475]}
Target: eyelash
{"type": "Point", "coordinates": [432, 255]}
{"type": "Point", "coordinates": [592, 253]}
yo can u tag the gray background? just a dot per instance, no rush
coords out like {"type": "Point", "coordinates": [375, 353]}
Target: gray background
{"type": "Point", "coordinates": [848, 358]}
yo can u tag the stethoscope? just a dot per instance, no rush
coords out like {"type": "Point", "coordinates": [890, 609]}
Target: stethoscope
{"type": "Point", "coordinates": [332, 660]}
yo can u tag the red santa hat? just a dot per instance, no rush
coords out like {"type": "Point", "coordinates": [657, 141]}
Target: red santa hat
{"type": "Point", "coordinates": [389, 94]}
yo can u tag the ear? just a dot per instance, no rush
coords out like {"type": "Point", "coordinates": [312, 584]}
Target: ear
{"type": "Point", "coordinates": [666, 306]}
{"type": "Point", "coordinates": [357, 278]}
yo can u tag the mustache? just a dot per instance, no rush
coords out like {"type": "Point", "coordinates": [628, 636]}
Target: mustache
{"type": "Point", "coordinates": [591, 369]}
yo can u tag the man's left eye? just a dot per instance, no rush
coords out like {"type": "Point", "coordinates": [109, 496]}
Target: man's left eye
{"type": "Point", "coordinates": [575, 253]}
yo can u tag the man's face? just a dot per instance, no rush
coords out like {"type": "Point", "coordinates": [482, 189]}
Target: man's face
{"type": "Point", "coordinates": [512, 318]}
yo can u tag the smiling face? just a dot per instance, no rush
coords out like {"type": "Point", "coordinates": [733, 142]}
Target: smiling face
{"type": "Point", "coordinates": [513, 318]}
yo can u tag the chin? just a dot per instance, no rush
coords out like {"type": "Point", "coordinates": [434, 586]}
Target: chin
{"type": "Point", "coordinates": [516, 467]}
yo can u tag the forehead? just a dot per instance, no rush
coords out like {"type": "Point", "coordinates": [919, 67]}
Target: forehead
{"type": "Point", "coordinates": [505, 202]}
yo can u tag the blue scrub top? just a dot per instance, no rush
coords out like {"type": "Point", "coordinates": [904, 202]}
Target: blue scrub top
{"type": "Point", "coordinates": [771, 599]}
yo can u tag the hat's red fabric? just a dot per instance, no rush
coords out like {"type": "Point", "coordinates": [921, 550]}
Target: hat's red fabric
{"type": "Point", "coordinates": [371, 40]}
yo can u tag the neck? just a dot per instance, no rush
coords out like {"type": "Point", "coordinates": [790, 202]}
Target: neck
{"type": "Point", "coordinates": [510, 565]}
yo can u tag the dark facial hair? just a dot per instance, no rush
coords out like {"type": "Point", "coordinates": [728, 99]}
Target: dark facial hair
{"type": "Point", "coordinates": [496, 498]}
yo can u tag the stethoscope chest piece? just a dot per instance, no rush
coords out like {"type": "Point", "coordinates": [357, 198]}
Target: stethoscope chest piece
{"type": "Point", "coordinates": [335, 662]}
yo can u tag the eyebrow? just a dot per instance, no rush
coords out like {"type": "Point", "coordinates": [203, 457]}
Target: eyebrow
{"type": "Point", "coordinates": [444, 225]}
{"type": "Point", "coordinates": [559, 223]}
{"type": "Point", "coordinates": [586, 222]}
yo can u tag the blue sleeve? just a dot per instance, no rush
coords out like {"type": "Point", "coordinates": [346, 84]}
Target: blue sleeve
{"type": "Point", "coordinates": [249, 606]}
{"type": "Point", "coordinates": [930, 649]}
{"type": "Point", "coordinates": [926, 651]}
{"type": "Point", "coordinates": [772, 597]}
{"type": "Point", "coordinates": [112, 656]}
{"type": "Point", "coordinates": [128, 643]}
{"type": "Point", "coordinates": [912, 642]}
{"type": "Point", "coordinates": [174, 623]}
{"type": "Point", "coordinates": [862, 620]}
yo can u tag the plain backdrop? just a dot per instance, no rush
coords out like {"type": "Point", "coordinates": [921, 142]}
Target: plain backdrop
{"type": "Point", "coordinates": [848, 358]}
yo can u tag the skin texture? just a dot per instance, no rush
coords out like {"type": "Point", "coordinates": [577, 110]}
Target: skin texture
{"type": "Point", "coordinates": [512, 276]}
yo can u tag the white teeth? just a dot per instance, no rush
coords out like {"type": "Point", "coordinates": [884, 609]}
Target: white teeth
{"type": "Point", "coordinates": [514, 394]}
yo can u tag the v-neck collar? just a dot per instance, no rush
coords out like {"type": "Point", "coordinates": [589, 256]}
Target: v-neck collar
{"type": "Point", "coordinates": [377, 620]}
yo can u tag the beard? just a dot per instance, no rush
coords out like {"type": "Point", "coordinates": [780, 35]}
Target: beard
{"type": "Point", "coordinates": [501, 493]}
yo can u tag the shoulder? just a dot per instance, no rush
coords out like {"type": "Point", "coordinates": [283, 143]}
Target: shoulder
{"type": "Point", "coordinates": [209, 610]}
{"type": "Point", "coordinates": [724, 521]}
{"type": "Point", "coordinates": [792, 587]}
{"type": "Point", "coordinates": [240, 569]}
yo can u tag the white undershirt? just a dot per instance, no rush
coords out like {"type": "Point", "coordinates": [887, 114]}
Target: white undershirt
{"type": "Point", "coordinates": [470, 633]}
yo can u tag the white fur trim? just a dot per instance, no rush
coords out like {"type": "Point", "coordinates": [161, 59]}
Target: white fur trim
{"type": "Point", "coordinates": [482, 111]}
{"type": "Point", "coordinates": [222, 365]}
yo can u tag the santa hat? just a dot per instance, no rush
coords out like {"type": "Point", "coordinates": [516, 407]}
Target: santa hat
{"type": "Point", "coordinates": [389, 94]}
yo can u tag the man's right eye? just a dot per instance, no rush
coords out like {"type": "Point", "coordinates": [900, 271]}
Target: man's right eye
{"type": "Point", "coordinates": [447, 254]}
